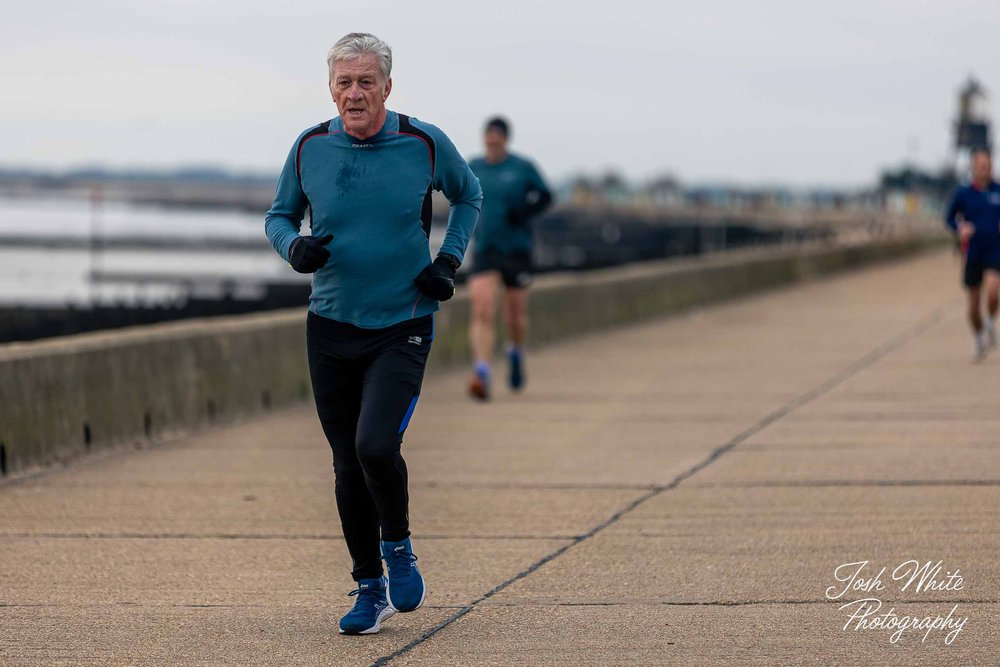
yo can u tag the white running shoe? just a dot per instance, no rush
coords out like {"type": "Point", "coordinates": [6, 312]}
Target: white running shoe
{"type": "Point", "coordinates": [990, 327]}
{"type": "Point", "coordinates": [980, 348]}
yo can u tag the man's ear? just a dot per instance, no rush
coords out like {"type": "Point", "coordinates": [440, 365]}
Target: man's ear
{"type": "Point", "coordinates": [388, 89]}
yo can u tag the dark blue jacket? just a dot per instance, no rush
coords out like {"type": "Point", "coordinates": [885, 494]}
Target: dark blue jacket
{"type": "Point", "coordinates": [982, 209]}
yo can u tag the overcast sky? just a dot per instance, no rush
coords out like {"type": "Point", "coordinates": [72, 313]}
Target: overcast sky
{"type": "Point", "coordinates": [770, 91]}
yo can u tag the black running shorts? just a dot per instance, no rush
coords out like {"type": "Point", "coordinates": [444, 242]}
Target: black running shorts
{"type": "Point", "coordinates": [515, 268]}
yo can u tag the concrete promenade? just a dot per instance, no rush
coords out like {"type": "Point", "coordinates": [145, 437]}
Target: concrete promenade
{"type": "Point", "coordinates": [678, 492]}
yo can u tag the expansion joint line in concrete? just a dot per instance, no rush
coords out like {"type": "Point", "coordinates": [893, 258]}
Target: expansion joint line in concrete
{"type": "Point", "coordinates": [828, 483]}
{"type": "Point", "coordinates": [725, 603]}
{"type": "Point", "coordinates": [255, 536]}
{"type": "Point", "coordinates": [835, 380]}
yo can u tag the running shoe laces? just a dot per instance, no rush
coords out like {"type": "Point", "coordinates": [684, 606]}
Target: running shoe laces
{"type": "Point", "coordinates": [368, 591]}
{"type": "Point", "coordinates": [402, 558]}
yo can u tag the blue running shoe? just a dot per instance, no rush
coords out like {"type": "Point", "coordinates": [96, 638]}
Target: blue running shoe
{"type": "Point", "coordinates": [405, 590]}
{"type": "Point", "coordinates": [370, 609]}
{"type": "Point", "coordinates": [515, 358]}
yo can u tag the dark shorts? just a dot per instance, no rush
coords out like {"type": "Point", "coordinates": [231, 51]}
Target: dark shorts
{"type": "Point", "coordinates": [973, 273]}
{"type": "Point", "coordinates": [516, 268]}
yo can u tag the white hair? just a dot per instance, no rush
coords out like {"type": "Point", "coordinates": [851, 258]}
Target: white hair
{"type": "Point", "coordinates": [357, 44]}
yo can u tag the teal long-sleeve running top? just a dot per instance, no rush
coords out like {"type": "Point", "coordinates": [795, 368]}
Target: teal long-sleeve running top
{"type": "Point", "coordinates": [513, 188]}
{"type": "Point", "coordinates": [374, 197]}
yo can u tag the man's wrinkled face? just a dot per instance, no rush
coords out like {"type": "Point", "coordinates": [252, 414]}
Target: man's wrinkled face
{"type": "Point", "coordinates": [359, 91]}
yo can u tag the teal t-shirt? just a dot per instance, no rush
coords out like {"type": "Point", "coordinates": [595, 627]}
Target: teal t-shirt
{"type": "Point", "coordinates": [506, 187]}
{"type": "Point", "coordinates": [373, 195]}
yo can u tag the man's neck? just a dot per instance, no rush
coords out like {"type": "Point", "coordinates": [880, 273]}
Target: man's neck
{"type": "Point", "coordinates": [493, 157]}
{"type": "Point", "coordinates": [374, 128]}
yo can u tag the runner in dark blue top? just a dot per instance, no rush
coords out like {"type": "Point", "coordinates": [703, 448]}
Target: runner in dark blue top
{"type": "Point", "coordinates": [974, 216]}
{"type": "Point", "coordinates": [514, 193]}
{"type": "Point", "coordinates": [366, 179]}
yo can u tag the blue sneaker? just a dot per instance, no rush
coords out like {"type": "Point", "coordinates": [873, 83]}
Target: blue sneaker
{"type": "Point", "coordinates": [405, 590]}
{"type": "Point", "coordinates": [370, 609]}
{"type": "Point", "coordinates": [515, 360]}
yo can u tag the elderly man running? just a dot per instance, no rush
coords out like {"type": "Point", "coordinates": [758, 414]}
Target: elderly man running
{"type": "Point", "coordinates": [366, 177]}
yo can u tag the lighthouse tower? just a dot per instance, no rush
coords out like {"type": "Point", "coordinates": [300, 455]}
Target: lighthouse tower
{"type": "Point", "coordinates": [972, 127]}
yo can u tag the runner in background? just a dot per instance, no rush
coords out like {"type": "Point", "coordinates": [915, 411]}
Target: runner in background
{"type": "Point", "coordinates": [514, 193]}
{"type": "Point", "coordinates": [974, 216]}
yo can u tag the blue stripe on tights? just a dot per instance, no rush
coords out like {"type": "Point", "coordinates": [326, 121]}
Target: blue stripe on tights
{"type": "Point", "coordinates": [409, 413]}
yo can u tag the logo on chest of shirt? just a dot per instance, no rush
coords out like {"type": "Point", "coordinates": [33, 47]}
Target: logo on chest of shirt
{"type": "Point", "coordinates": [994, 198]}
{"type": "Point", "coordinates": [362, 145]}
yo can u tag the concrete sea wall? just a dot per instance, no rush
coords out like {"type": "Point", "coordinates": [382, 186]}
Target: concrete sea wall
{"type": "Point", "coordinates": [63, 397]}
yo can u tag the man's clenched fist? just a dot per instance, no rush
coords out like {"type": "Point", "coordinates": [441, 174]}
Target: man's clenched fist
{"type": "Point", "coordinates": [307, 254]}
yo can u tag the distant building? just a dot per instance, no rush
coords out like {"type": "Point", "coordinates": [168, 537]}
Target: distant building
{"type": "Point", "coordinates": [611, 189]}
{"type": "Point", "coordinates": [664, 192]}
{"type": "Point", "coordinates": [914, 190]}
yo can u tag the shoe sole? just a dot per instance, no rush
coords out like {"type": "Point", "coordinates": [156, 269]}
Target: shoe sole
{"type": "Point", "coordinates": [385, 614]}
{"type": "Point", "coordinates": [423, 595]}
{"type": "Point", "coordinates": [478, 390]}
{"type": "Point", "coordinates": [517, 386]}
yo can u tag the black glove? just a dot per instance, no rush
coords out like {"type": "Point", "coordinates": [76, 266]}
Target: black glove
{"type": "Point", "coordinates": [534, 203]}
{"type": "Point", "coordinates": [307, 254]}
{"type": "Point", "coordinates": [518, 217]}
{"type": "Point", "coordinates": [437, 280]}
